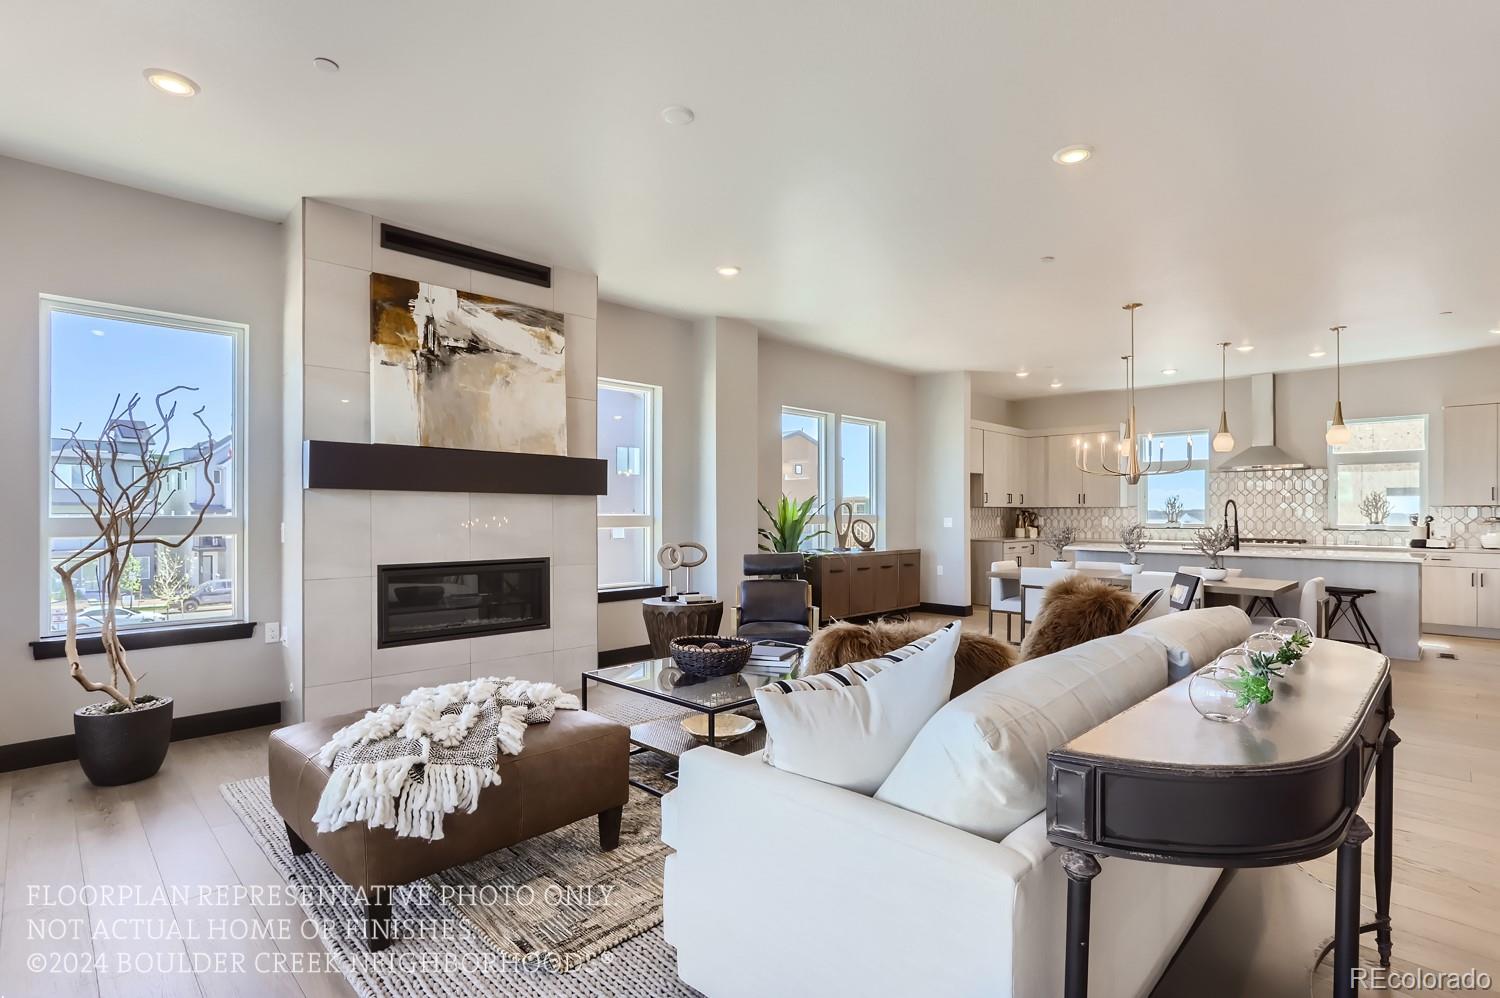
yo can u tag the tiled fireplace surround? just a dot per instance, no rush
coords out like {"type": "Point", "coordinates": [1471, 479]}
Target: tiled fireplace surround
{"type": "Point", "coordinates": [337, 539]}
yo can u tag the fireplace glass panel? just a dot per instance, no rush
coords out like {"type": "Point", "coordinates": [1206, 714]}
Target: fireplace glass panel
{"type": "Point", "coordinates": [420, 603]}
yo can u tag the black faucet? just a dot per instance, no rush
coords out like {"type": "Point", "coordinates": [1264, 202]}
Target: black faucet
{"type": "Point", "coordinates": [1230, 504]}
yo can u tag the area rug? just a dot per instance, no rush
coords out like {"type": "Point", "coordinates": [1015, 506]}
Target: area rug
{"type": "Point", "coordinates": [550, 918]}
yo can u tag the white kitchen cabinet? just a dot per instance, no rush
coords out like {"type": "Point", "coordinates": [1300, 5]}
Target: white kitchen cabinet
{"type": "Point", "coordinates": [975, 455]}
{"type": "Point", "coordinates": [1471, 455]}
{"type": "Point", "coordinates": [1033, 471]}
{"type": "Point", "coordinates": [1487, 610]}
{"type": "Point", "coordinates": [1024, 553]}
{"type": "Point", "coordinates": [1004, 469]}
{"type": "Point", "coordinates": [1450, 595]}
{"type": "Point", "coordinates": [1063, 476]}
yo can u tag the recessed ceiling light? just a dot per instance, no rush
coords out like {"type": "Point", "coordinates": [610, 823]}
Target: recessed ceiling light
{"type": "Point", "coordinates": [1319, 352]}
{"type": "Point", "coordinates": [1245, 347]}
{"type": "Point", "coordinates": [677, 115]}
{"type": "Point", "coordinates": [345, 401]}
{"type": "Point", "coordinates": [1072, 155]}
{"type": "Point", "coordinates": [1169, 371]}
{"type": "Point", "coordinates": [617, 418]}
{"type": "Point", "coordinates": [1055, 384]}
{"type": "Point", "coordinates": [172, 83]}
{"type": "Point", "coordinates": [1023, 373]}
{"type": "Point", "coordinates": [1495, 332]}
{"type": "Point", "coordinates": [326, 64]}
{"type": "Point", "coordinates": [1446, 313]}
{"type": "Point", "coordinates": [728, 270]}
{"type": "Point", "coordinates": [1048, 259]}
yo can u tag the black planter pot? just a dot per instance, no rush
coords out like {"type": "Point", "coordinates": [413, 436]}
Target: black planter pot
{"type": "Point", "coordinates": [125, 747]}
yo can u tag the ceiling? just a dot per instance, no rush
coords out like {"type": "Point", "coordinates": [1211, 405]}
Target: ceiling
{"type": "Point", "coordinates": [882, 173]}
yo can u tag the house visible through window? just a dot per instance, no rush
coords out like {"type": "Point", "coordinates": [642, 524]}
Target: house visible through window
{"type": "Point", "coordinates": [1386, 456]}
{"type": "Point", "coordinates": [96, 354]}
{"type": "Point", "coordinates": [629, 513]}
{"type": "Point", "coordinates": [1182, 496]}
{"type": "Point", "coordinates": [841, 467]}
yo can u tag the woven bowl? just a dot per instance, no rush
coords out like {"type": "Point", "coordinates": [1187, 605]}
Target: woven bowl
{"type": "Point", "coordinates": [708, 655]}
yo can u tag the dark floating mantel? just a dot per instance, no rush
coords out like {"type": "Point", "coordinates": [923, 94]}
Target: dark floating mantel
{"type": "Point", "coordinates": [329, 464]}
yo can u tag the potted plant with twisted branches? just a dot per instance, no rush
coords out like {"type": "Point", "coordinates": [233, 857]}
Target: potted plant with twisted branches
{"type": "Point", "coordinates": [127, 477]}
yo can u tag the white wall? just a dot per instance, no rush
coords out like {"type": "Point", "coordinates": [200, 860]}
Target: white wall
{"type": "Point", "coordinates": [990, 409]}
{"type": "Point", "coordinates": [69, 235]}
{"type": "Point", "coordinates": [943, 413]}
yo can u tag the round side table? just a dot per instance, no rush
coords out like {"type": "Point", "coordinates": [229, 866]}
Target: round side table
{"type": "Point", "coordinates": [665, 621]}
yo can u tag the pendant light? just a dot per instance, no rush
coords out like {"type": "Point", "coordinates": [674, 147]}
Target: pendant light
{"type": "Point", "coordinates": [1338, 433]}
{"type": "Point", "coordinates": [1223, 440]}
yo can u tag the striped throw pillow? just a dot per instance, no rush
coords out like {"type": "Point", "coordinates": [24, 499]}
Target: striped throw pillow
{"type": "Point", "coordinates": [853, 674]}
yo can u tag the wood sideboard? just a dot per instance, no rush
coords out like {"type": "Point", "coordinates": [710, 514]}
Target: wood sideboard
{"type": "Point", "coordinates": [861, 583]}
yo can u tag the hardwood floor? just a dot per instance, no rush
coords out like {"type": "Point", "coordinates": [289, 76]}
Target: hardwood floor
{"type": "Point", "coordinates": [175, 833]}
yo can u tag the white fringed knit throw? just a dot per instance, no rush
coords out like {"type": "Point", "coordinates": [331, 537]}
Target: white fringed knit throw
{"type": "Point", "coordinates": [404, 766]}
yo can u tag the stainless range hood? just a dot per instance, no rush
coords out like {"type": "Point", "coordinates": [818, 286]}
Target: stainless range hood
{"type": "Point", "coordinates": [1263, 454]}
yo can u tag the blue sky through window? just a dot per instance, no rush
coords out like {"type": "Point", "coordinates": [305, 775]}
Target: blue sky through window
{"type": "Point", "coordinates": [94, 359]}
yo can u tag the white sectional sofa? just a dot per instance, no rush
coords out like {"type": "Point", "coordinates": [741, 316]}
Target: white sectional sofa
{"type": "Point", "coordinates": [782, 885]}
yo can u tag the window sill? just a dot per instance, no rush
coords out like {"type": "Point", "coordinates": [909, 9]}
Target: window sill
{"type": "Point", "coordinates": [148, 637]}
{"type": "Point", "coordinates": [633, 592]}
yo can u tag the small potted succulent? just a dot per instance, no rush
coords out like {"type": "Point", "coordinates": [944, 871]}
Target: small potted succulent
{"type": "Point", "coordinates": [124, 479]}
{"type": "Point", "coordinates": [1133, 539]}
{"type": "Point", "coordinates": [1058, 539]}
{"type": "Point", "coordinates": [1174, 510]}
{"type": "Point", "coordinates": [1212, 542]}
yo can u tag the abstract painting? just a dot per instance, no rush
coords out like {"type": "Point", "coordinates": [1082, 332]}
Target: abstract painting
{"type": "Point", "coordinates": [456, 369]}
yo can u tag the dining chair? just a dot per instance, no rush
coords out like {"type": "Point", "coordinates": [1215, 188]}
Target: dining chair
{"type": "Point", "coordinates": [1146, 608]}
{"type": "Point", "coordinates": [1184, 590]}
{"type": "Point", "coordinates": [1005, 596]}
{"type": "Point", "coordinates": [1145, 583]}
{"type": "Point", "coordinates": [1311, 606]}
{"type": "Point", "coordinates": [1034, 583]}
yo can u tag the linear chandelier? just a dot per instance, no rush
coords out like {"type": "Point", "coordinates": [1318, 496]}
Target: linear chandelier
{"type": "Point", "coordinates": [1131, 469]}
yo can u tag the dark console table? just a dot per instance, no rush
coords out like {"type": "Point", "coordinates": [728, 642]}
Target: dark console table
{"type": "Point", "coordinates": [1159, 783]}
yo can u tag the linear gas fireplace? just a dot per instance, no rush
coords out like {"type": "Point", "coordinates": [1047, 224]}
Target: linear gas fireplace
{"type": "Point", "coordinates": [461, 599]}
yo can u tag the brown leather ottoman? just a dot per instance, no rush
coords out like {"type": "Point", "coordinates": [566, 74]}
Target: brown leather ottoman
{"type": "Point", "coordinates": [574, 766]}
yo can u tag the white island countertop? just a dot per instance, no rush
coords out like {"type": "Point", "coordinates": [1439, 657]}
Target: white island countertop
{"type": "Point", "coordinates": [1289, 552]}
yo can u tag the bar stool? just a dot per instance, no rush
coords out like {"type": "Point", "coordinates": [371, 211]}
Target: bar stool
{"type": "Point", "coordinates": [1346, 606]}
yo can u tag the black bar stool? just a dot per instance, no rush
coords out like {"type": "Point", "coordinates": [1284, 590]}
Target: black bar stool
{"type": "Point", "coordinates": [1346, 607]}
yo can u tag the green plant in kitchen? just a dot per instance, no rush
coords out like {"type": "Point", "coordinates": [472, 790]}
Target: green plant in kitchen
{"type": "Point", "coordinates": [1174, 508]}
{"type": "Point", "coordinates": [1059, 538]}
{"type": "Point", "coordinates": [789, 524]}
{"type": "Point", "coordinates": [1375, 507]}
{"type": "Point", "coordinates": [1133, 539]}
{"type": "Point", "coordinates": [1212, 542]}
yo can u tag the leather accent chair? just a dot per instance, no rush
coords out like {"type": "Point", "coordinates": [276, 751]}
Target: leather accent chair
{"type": "Point", "coordinates": [775, 601]}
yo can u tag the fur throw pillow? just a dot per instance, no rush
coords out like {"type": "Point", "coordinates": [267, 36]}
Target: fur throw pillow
{"type": "Point", "coordinates": [1075, 610]}
{"type": "Point", "coordinates": [979, 655]}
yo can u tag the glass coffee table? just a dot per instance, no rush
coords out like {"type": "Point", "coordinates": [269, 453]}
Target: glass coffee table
{"type": "Point", "coordinates": [660, 679]}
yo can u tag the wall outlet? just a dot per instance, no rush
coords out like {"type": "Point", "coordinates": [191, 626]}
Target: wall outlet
{"type": "Point", "coordinates": [273, 633]}
{"type": "Point", "coordinates": [940, 570]}
{"type": "Point", "coordinates": [948, 522]}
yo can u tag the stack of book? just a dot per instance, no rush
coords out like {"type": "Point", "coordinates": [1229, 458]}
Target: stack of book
{"type": "Point", "coordinates": [772, 658]}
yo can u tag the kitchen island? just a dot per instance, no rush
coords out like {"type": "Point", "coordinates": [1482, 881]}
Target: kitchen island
{"type": "Point", "coordinates": [1394, 611]}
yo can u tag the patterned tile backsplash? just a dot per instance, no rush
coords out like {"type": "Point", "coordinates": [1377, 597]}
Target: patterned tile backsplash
{"type": "Point", "coordinates": [1271, 504]}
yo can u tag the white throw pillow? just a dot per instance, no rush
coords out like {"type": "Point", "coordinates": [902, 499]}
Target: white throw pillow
{"type": "Point", "coordinates": [980, 764]}
{"type": "Point", "coordinates": [852, 733]}
{"type": "Point", "coordinates": [1195, 638]}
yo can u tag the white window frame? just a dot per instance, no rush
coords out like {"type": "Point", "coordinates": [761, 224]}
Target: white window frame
{"type": "Point", "coordinates": [1198, 464]}
{"type": "Point", "coordinates": [234, 524]}
{"type": "Point", "coordinates": [1337, 458]}
{"type": "Point", "coordinates": [876, 515]}
{"type": "Point", "coordinates": [827, 452]}
{"type": "Point", "coordinates": [650, 475]}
